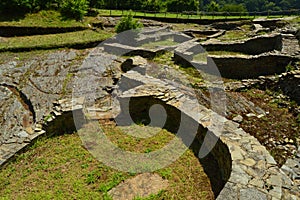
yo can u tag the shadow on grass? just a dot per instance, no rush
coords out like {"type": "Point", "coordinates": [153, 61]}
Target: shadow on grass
{"type": "Point", "coordinates": [8, 16]}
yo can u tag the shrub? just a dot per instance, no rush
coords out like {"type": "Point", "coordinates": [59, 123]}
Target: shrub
{"type": "Point", "coordinates": [182, 5]}
{"type": "Point", "coordinates": [232, 8]}
{"type": "Point", "coordinates": [74, 9]}
{"type": "Point", "coordinates": [127, 23]}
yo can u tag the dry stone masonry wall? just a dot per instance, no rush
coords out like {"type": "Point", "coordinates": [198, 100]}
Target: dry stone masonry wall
{"type": "Point", "coordinates": [252, 46]}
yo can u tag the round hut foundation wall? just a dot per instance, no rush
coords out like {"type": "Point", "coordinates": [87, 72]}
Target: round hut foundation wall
{"type": "Point", "coordinates": [219, 155]}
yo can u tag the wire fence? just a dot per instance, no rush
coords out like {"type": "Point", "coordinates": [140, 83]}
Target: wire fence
{"type": "Point", "coordinates": [201, 14]}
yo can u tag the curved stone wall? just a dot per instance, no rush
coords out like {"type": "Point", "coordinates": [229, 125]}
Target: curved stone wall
{"type": "Point", "coordinates": [253, 170]}
{"type": "Point", "coordinates": [219, 173]}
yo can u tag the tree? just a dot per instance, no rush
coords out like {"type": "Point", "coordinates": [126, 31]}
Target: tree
{"type": "Point", "coordinates": [153, 5]}
{"type": "Point", "coordinates": [97, 3]}
{"type": "Point", "coordinates": [254, 5]}
{"type": "Point", "coordinates": [231, 8]}
{"type": "Point", "coordinates": [285, 4]}
{"type": "Point", "coordinates": [213, 7]}
{"type": "Point", "coordinates": [16, 6]}
{"type": "Point", "coordinates": [182, 5]}
{"type": "Point", "coordinates": [271, 6]}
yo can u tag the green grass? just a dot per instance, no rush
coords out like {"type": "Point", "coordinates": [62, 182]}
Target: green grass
{"type": "Point", "coordinates": [60, 168]}
{"type": "Point", "coordinates": [179, 15]}
{"type": "Point", "coordinates": [296, 21]}
{"type": "Point", "coordinates": [153, 45]}
{"type": "Point", "coordinates": [54, 40]}
{"type": "Point", "coordinates": [22, 57]}
{"type": "Point", "coordinates": [233, 35]}
{"type": "Point", "coordinates": [44, 19]}
{"type": "Point", "coordinates": [54, 18]}
{"type": "Point", "coordinates": [56, 168]}
{"type": "Point", "coordinates": [243, 33]}
{"type": "Point", "coordinates": [65, 83]}
{"type": "Point", "coordinates": [223, 53]}
{"type": "Point", "coordinates": [168, 15]}
{"type": "Point", "coordinates": [186, 176]}
{"type": "Point", "coordinates": [182, 27]}
{"type": "Point", "coordinates": [189, 74]}
{"type": "Point", "coordinates": [201, 57]}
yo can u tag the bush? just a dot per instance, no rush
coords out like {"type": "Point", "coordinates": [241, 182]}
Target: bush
{"type": "Point", "coordinates": [74, 9]}
{"type": "Point", "coordinates": [182, 5]}
{"type": "Point", "coordinates": [127, 23]}
{"type": "Point", "coordinates": [232, 8]}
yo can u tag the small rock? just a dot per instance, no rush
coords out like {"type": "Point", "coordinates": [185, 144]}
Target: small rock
{"type": "Point", "coordinates": [270, 160]}
{"type": "Point", "coordinates": [251, 115]}
{"type": "Point", "coordinates": [249, 162]}
{"type": "Point", "coordinates": [257, 182]}
{"type": "Point", "coordinates": [260, 116]}
{"type": "Point", "coordinates": [22, 134]}
{"type": "Point", "coordinates": [275, 180]}
{"type": "Point", "coordinates": [252, 194]}
{"type": "Point", "coordinates": [236, 155]}
{"type": "Point", "coordinates": [238, 119]}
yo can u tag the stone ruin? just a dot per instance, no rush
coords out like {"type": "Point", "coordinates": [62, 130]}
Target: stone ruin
{"type": "Point", "coordinates": [41, 103]}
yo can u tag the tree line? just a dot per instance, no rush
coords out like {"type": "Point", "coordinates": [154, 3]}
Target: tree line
{"type": "Point", "coordinates": [78, 8]}
{"type": "Point", "coordinates": [200, 5]}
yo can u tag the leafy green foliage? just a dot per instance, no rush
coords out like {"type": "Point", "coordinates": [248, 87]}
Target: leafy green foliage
{"type": "Point", "coordinates": [74, 9]}
{"type": "Point", "coordinates": [127, 23]}
{"type": "Point", "coordinates": [234, 8]}
{"type": "Point", "coordinates": [182, 5]}
{"type": "Point", "coordinates": [112, 182]}
{"type": "Point", "coordinates": [156, 5]}
{"type": "Point", "coordinates": [78, 8]}
{"type": "Point", "coordinates": [213, 7]}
